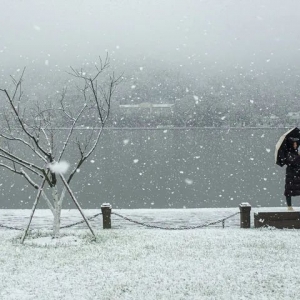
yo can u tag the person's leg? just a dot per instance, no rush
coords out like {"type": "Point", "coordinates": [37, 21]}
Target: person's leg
{"type": "Point", "coordinates": [289, 202]}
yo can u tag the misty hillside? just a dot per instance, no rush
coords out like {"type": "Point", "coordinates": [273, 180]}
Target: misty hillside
{"type": "Point", "coordinates": [184, 63]}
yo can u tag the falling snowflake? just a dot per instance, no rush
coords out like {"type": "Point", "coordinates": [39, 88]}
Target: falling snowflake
{"type": "Point", "coordinates": [135, 161]}
{"type": "Point", "coordinates": [188, 181]}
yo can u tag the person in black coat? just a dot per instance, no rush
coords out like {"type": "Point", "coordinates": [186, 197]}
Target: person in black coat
{"type": "Point", "coordinates": [292, 177]}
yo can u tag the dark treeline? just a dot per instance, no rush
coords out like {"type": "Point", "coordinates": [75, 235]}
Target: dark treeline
{"type": "Point", "coordinates": [164, 95]}
{"type": "Point", "coordinates": [233, 98]}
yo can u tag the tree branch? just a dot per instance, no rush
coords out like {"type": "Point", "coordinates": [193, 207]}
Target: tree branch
{"type": "Point", "coordinates": [23, 173]}
{"type": "Point", "coordinates": [71, 131]}
{"type": "Point", "coordinates": [19, 160]}
{"type": "Point", "coordinates": [84, 157]}
{"type": "Point", "coordinates": [25, 143]}
{"type": "Point", "coordinates": [16, 113]}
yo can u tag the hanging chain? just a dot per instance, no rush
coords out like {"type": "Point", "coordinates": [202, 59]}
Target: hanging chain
{"type": "Point", "coordinates": [10, 227]}
{"type": "Point", "coordinates": [176, 228]}
{"type": "Point", "coordinates": [80, 222]}
{"type": "Point", "coordinates": [140, 223]}
{"type": "Point", "coordinates": [62, 227]}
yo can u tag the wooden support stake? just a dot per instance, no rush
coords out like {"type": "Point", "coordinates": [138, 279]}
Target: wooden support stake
{"type": "Point", "coordinates": [76, 203]}
{"type": "Point", "coordinates": [33, 209]}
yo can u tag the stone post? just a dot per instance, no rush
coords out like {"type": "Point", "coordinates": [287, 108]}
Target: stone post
{"type": "Point", "coordinates": [245, 209]}
{"type": "Point", "coordinates": [106, 213]}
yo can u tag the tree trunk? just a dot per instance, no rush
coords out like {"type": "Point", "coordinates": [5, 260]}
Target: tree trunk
{"type": "Point", "coordinates": [57, 213]}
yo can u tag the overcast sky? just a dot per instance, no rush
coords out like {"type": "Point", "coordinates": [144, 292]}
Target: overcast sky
{"type": "Point", "coordinates": [191, 33]}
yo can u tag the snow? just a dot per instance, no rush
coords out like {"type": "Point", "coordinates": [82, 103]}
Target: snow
{"type": "Point", "coordinates": [45, 240]}
{"type": "Point", "coordinates": [59, 167]}
{"type": "Point", "coordinates": [37, 28]}
{"type": "Point", "coordinates": [136, 263]}
{"type": "Point", "coordinates": [188, 181]}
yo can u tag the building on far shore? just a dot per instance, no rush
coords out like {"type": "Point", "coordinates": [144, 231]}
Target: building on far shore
{"type": "Point", "coordinates": [148, 105]}
{"type": "Point", "coordinates": [293, 117]}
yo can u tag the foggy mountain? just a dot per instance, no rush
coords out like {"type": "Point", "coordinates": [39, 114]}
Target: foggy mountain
{"type": "Point", "coordinates": [227, 55]}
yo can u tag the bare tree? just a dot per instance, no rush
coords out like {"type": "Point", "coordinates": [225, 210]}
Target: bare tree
{"type": "Point", "coordinates": [34, 130]}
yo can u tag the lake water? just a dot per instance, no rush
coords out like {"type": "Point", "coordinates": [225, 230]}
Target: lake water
{"type": "Point", "coordinates": [170, 168]}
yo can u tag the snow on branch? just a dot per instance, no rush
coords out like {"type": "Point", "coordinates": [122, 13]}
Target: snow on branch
{"type": "Point", "coordinates": [102, 103]}
{"type": "Point", "coordinates": [71, 131]}
{"type": "Point", "coordinates": [21, 172]}
{"type": "Point", "coordinates": [60, 167]}
{"type": "Point", "coordinates": [16, 159]}
{"type": "Point", "coordinates": [15, 110]}
{"type": "Point", "coordinates": [12, 138]}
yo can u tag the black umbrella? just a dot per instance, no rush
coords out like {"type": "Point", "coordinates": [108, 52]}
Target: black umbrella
{"type": "Point", "coordinates": [281, 146]}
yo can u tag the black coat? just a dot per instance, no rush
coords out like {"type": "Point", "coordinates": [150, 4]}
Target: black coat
{"type": "Point", "coordinates": [292, 178]}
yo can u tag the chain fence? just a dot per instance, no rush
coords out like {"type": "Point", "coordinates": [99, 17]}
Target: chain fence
{"type": "Point", "coordinates": [177, 228]}
{"type": "Point", "coordinates": [10, 227]}
{"type": "Point", "coordinates": [62, 227]}
{"type": "Point", "coordinates": [80, 222]}
{"type": "Point", "coordinates": [139, 223]}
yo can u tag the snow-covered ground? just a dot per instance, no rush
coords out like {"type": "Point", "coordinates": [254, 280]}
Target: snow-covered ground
{"type": "Point", "coordinates": [132, 262]}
